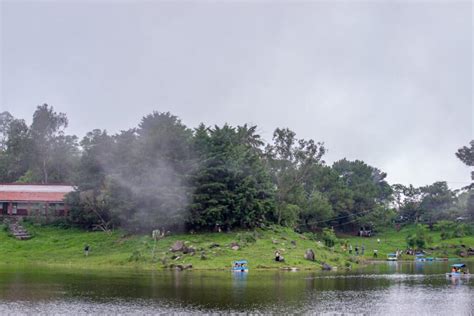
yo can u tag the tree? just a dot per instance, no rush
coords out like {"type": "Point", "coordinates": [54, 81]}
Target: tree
{"type": "Point", "coordinates": [47, 126]}
{"type": "Point", "coordinates": [368, 188]}
{"type": "Point", "coordinates": [231, 185]}
{"type": "Point", "coordinates": [5, 120]}
{"type": "Point", "coordinates": [318, 212]}
{"type": "Point", "coordinates": [326, 180]}
{"type": "Point", "coordinates": [289, 160]}
{"type": "Point", "coordinates": [436, 201]}
{"type": "Point", "coordinates": [466, 155]}
{"type": "Point", "coordinates": [16, 157]}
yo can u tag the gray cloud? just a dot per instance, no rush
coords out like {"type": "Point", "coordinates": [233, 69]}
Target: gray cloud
{"type": "Point", "coordinates": [386, 82]}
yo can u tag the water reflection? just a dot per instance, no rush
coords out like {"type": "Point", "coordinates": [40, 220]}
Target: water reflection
{"type": "Point", "coordinates": [385, 288]}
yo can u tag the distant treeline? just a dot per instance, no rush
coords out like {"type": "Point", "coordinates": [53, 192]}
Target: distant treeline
{"type": "Point", "coordinates": [162, 174]}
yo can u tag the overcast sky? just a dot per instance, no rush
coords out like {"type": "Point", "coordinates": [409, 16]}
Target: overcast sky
{"type": "Point", "coordinates": [389, 83]}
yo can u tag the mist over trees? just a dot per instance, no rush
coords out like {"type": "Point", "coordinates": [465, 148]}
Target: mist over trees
{"type": "Point", "coordinates": [162, 174]}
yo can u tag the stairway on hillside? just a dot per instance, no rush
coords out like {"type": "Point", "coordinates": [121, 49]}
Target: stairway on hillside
{"type": "Point", "coordinates": [17, 231]}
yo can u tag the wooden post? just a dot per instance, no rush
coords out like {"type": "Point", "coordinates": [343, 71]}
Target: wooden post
{"type": "Point", "coordinates": [10, 208]}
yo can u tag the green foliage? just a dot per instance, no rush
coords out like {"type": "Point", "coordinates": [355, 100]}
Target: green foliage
{"type": "Point", "coordinates": [28, 177]}
{"type": "Point", "coordinates": [419, 239]}
{"type": "Point", "coordinates": [317, 212]}
{"type": "Point", "coordinates": [247, 237]}
{"type": "Point", "coordinates": [437, 198]}
{"type": "Point", "coordinates": [163, 175]}
{"type": "Point", "coordinates": [135, 256]}
{"type": "Point", "coordinates": [65, 247]}
{"type": "Point", "coordinates": [231, 186]}
{"type": "Point", "coordinates": [369, 190]}
{"type": "Point", "coordinates": [446, 228]}
{"type": "Point", "coordinates": [40, 152]}
{"type": "Point", "coordinates": [466, 154]}
{"type": "Point", "coordinates": [289, 160]}
{"type": "Point", "coordinates": [288, 214]}
{"type": "Point", "coordinates": [329, 237]}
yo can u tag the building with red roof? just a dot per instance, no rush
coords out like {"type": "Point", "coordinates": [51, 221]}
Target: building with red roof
{"type": "Point", "coordinates": [34, 199]}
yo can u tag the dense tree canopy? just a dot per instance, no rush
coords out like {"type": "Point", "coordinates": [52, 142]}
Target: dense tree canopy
{"type": "Point", "coordinates": [163, 175]}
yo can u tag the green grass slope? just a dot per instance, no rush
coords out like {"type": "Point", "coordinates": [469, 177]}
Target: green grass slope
{"type": "Point", "coordinates": [391, 240]}
{"type": "Point", "coordinates": [57, 246]}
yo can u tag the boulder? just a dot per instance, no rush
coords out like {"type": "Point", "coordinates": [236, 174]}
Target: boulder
{"type": "Point", "coordinates": [326, 267]}
{"type": "Point", "coordinates": [177, 246]}
{"type": "Point", "coordinates": [309, 255]}
{"type": "Point", "coordinates": [189, 250]}
{"type": "Point", "coordinates": [234, 246]}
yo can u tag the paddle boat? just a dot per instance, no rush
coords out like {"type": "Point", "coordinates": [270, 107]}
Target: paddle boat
{"type": "Point", "coordinates": [240, 266]}
{"type": "Point", "coordinates": [458, 270]}
{"type": "Point", "coordinates": [392, 257]}
{"type": "Point", "coordinates": [419, 257]}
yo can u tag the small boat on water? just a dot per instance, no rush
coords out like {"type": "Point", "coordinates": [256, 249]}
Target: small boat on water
{"type": "Point", "coordinates": [392, 257]}
{"type": "Point", "coordinates": [240, 266]}
{"type": "Point", "coordinates": [458, 270]}
{"type": "Point", "coordinates": [419, 257]}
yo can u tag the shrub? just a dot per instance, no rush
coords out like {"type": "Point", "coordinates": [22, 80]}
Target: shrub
{"type": "Point", "coordinates": [136, 256]}
{"type": "Point", "coordinates": [446, 228]}
{"type": "Point", "coordinates": [329, 237]}
{"type": "Point", "coordinates": [419, 239]}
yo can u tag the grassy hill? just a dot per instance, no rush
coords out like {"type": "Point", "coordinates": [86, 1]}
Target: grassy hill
{"type": "Point", "coordinates": [391, 240]}
{"type": "Point", "coordinates": [58, 246]}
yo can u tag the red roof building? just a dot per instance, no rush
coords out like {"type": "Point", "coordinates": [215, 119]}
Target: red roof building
{"type": "Point", "coordinates": [33, 199]}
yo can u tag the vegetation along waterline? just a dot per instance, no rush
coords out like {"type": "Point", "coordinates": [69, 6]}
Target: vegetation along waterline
{"type": "Point", "coordinates": [59, 246]}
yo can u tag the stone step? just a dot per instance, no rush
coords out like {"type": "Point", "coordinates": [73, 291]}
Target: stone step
{"type": "Point", "coordinates": [23, 237]}
{"type": "Point", "coordinates": [20, 234]}
{"type": "Point", "coordinates": [18, 231]}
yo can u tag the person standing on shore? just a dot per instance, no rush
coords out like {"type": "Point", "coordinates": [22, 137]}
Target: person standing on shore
{"type": "Point", "coordinates": [86, 250]}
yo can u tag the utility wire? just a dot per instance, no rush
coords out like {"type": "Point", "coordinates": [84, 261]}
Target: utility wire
{"type": "Point", "coordinates": [339, 217]}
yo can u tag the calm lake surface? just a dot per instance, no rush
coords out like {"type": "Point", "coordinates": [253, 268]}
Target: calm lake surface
{"type": "Point", "coordinates": [383, 288]}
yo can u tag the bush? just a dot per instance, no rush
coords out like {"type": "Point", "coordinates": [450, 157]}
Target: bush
{"type": "Point", "coordinates": [136, 256]}
{"type": "Point", "coordinates": [329, 237]}
{"type": "Point", "coordinates": [247, 237]}
{"type": "Point", "coordinates": [446, 228]}
{"type": "Point", "coordinates": [419, 239]}
{"type": "Point", "coordinates": [462, 230]}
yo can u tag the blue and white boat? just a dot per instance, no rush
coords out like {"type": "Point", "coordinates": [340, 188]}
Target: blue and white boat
{"type": "Point", "coordinates": [392, 257]}
{"type": "Point", "coordinates": [458, 270]}
{"type": "Point", "coordinates": [240, 266]}
{"type": "Point", "coordinates": [419, 257]}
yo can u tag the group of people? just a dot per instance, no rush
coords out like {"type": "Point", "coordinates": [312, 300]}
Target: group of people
{"type": "Point", "coordinates": [361, 250]}
{"type": "Point", "coordinates": [459, 270]}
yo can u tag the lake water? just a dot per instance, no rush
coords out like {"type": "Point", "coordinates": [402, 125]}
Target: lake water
{"type": "Point", "coordinates": [382, 288]}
